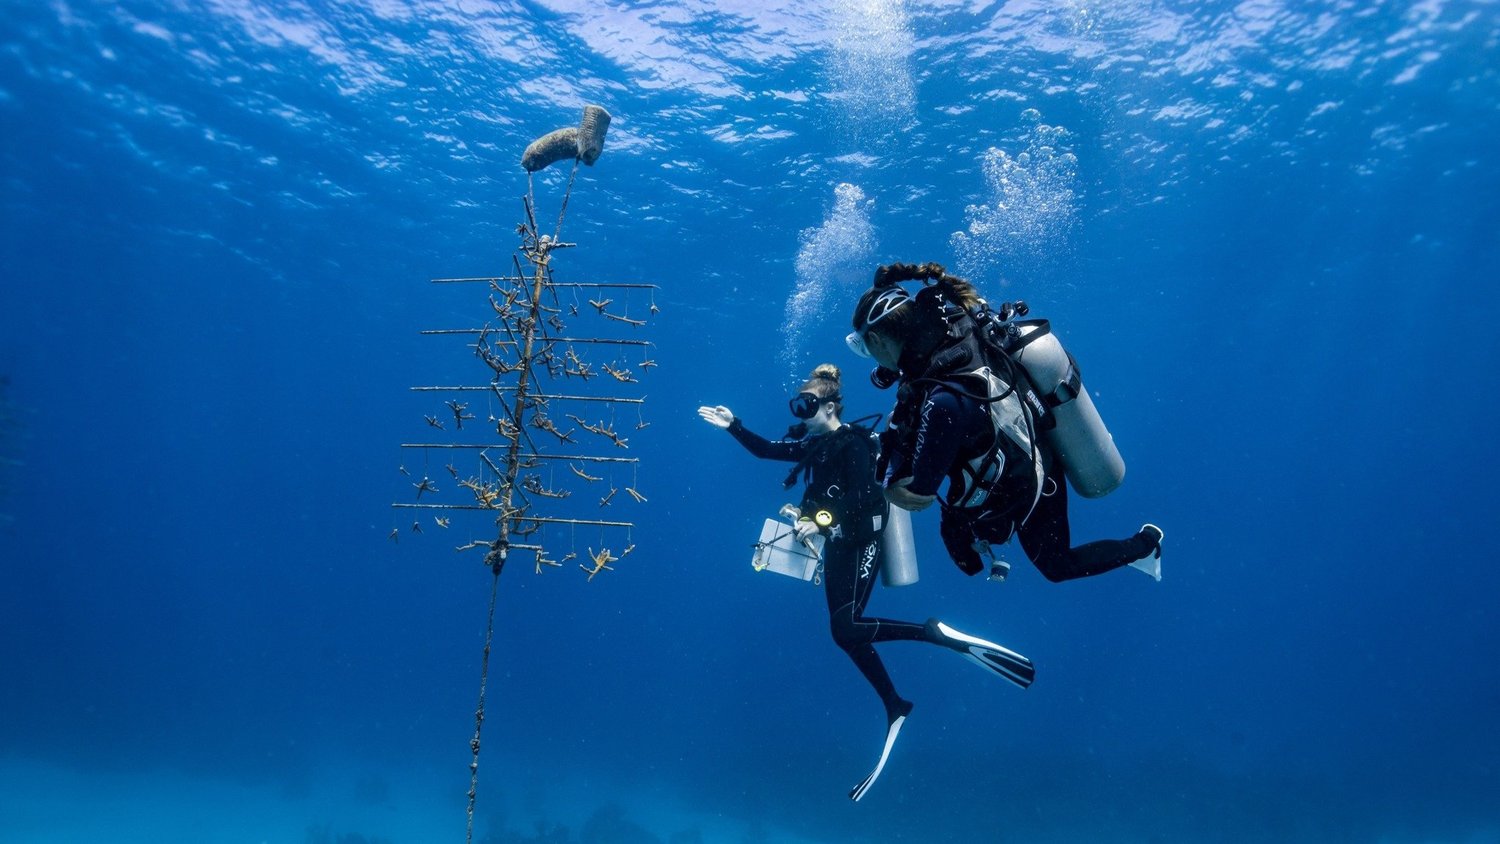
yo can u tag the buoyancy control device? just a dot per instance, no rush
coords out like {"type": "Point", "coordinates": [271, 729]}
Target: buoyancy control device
{"type": "Point", "coordinates": [1013, 463]}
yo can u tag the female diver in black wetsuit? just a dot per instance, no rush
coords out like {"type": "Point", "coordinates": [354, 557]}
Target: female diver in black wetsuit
{"type": "Point", "coordinates": [837, 463]}
{"type": "Point", "coordinates": [923, 341]}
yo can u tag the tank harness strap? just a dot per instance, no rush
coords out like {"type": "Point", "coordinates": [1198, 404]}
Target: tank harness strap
{"type": "Point", "coordinates": [1065, 392]}
{"type": "Point", "coordinates": [791, 478]}
{"type": "Point", "coordinates": [1043, 328]}
{"type": "Point", "coordinates": [1068, 389]}
{"type": "Point", "coordinates": [803, 467]}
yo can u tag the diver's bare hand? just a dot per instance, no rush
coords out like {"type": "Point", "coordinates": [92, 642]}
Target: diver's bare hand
{"type": "Point", "coordinates": [719, 416]}
{"type": "Point", "coordinates": [805, 530]}
{"type": "Point", "coordinates": [904, 498]}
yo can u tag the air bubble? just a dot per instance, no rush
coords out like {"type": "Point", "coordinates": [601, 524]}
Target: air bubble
{"type": "Point", "coordinates": [834, 256]}
{"type": "Point", "coordinates": [1030, 209]}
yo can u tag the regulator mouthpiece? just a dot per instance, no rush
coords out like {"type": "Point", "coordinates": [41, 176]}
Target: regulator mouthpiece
{"type": "Point", "coordinates": [883, 378]}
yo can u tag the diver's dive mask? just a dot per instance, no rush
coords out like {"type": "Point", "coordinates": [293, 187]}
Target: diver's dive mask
{"type": "Point", "coordinates": [878, 303]}
{"type": "Point", "coordinates": [855, 340]}
{"type": "Point", "coordinates": [805, 405]}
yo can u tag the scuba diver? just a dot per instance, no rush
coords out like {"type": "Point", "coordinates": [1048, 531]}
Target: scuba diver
{"type": "Point", "coordinates": [843, 502]}
{"type": "Point", "coordinates": [997, 407]}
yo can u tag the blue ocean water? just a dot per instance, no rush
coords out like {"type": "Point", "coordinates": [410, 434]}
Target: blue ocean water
{"type": "Point", "coordinates": [1267, 230]}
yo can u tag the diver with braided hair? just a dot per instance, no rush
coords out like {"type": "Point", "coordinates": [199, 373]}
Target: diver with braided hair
{"type": "Point", "coordinates": [843, 502]}
{"type": "Point", "coordinates": [969, 414]}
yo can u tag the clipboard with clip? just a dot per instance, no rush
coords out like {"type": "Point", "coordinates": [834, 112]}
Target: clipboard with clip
{"type": "Point", "coordinates": [778, 550]}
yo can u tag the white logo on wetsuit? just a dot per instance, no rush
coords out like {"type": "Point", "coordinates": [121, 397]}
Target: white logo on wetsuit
{"type": "Point", "coordinates": [922, 428]}
{"type": "Point", "coordinates": [866, 560]}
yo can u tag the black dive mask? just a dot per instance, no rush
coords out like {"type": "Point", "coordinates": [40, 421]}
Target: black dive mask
{"type": "Point", "coordinates": [805, 405]}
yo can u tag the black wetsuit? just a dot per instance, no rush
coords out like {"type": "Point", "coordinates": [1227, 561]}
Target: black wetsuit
{"type": "Point", "coordinates": [953, 428]}
{"type": "Point", "coordinates": [839, 472]}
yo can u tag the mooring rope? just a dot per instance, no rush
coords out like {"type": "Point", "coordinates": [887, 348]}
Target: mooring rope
{"type": "Point", "coordinates": [557, 233]}
{"type": "Point", "coordinates": [484, 674]}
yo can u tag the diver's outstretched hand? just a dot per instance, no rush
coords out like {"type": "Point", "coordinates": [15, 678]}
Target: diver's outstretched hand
{"type": "Point", "coordinates": [719, 416]}
{"type": "Point", "coordinates": [904, 498]}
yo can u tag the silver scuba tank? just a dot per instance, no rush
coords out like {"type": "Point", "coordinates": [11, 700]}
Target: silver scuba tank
{"type": "Point", "coordinates": [898, 552]}
{"type": "Point", "coordinates": [1079, 439]}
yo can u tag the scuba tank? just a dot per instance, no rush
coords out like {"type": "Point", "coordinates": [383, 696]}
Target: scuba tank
{"type": "Point", "coordinates": [898, 557]}
{"type": "Point", "coordinates": [1077, 434]}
